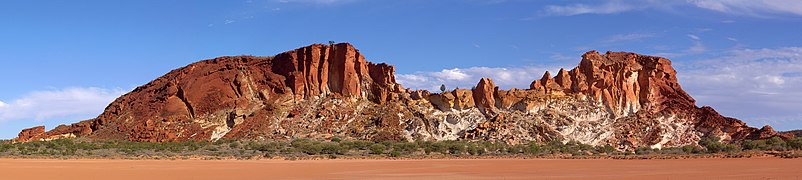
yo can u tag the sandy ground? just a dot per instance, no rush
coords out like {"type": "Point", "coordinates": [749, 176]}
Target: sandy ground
{"type": "Point", "coordinates": [708, 169]}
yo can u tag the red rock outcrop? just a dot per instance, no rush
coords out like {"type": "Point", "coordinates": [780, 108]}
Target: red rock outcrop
{"type": "Point", "coordinates": [624, 82]}
{"type": "Point", "coordinates": [193, 102]}
{"type": "Point", "coordinates": [617, 98]}
{"type": "Point", "coordinates": [30, 134]}
{"type": "Point", "coordinates": [627, 83]}
{"type": "Point", "coordinates": [483, 95]}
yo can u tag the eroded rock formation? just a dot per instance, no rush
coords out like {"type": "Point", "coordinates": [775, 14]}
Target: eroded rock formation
{"type": "Point", "coordinates": [319, 91]}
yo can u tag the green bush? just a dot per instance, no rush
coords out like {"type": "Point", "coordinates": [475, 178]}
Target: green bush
{"type": "Point", "coordinates": [336, 147]}
{"type": "Point", "coordinates": [691, 149]}
{"type": "Point", "coordinates": [713, 145]}
{"type": "Point", "coordinates": [405, 147]}
{"type": "Point", "coordinates": [776, 143]}
{"type": "Point", "coordinates": [307, 146]}
{"type": "Point", "coordinates": [795, 143]}
{"type": "Point", "coordinates": [332, 148]}
{"type": "Point", "coordinates": [755, 145]}
{"type": "Point", "coordinates": [605, 149]}
{"type": "Point", "coordinates": [533, 148]}
{"type": "Point", "coordinates": [475, 149]}
{"type": "Point", "coordinates": [455, 147]}
{"type": "Point", "coordinates": [377, 148]}
{"type": "Point", "coordinates": [395, 154]}
{"type": "Point", "coordinates": [644, 150]}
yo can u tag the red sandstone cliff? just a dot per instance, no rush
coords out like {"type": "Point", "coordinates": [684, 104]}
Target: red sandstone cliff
{"type": "Point", "coordinates": [618, 98]}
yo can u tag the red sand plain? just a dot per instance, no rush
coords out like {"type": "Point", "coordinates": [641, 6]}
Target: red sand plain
{"type": "Point", "coordinates": [707, 169]}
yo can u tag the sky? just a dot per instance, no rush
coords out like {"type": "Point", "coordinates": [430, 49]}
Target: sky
{"type": "Point", "coordinates": [65, 61]}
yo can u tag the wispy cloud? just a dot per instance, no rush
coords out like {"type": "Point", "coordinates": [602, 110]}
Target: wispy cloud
{"type": "Point", "coordinates": [609, 7]}
{"type": "Point", "coordinates": [694, 37]}
{"type": "Point", "coordinates": [627, 37]}
{"type": "Point", "coordinates": [752, 7]}
{"type": "Point", "coordinates": [317, 1]}
{"type": "Point", "coordinates": [74, 103]}
{"type": "Point", "coordinates": [697, 47]}
{"type": "Point", "coordinates": [756, 84]}
{"type": "Point", "coordinates": [757, 8]}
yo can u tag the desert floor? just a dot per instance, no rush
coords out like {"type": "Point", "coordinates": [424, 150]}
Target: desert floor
{"type": "Point", "coordinates": [708, 169]}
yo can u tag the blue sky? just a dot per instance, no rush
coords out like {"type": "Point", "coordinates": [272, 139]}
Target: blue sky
{"type": "Point", "coordinates": [62, 61]}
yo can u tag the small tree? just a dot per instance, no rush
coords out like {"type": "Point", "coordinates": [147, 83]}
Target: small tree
{"type": "Point", "coordinates": [442, 88]}
{"type": "Point", "coordinates": [331, 43]}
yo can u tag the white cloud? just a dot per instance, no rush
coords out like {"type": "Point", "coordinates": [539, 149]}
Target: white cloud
{"type": "Point", "coordinates": [504, 77]}
{"type": "Point", "coordinates": [609, 7]}
{"type": "Point", "coordinates": [760, 86]}
{"type": "Point", "coordinates": [627, 37]}
{"type": "Point", "coordinates": [2, 104]}
{"type": "Point", "coordinates": [75, 103]}
{"type": "Point", "coordinates": [451, 74]}
{"type": "Point", "coordinates": [697, 47]}
{"type": "Point", "coordinates": [758, 8]}
{"type": "Point", "coordinates": [751, 7]}
{"type": "Point", "coordinates": [694, 37]}
{"type": "Point", "coordinates": [317, 1]}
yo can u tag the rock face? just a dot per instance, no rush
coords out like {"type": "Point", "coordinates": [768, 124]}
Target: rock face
{"type": "Point", "coordinates": [484, 95]}
{"type": "Point", "coordinates": [319, 91]}
{"type": "Point", "coordinates": [30, 134]}
{"type": "Point", "coordinates": [794, 133]}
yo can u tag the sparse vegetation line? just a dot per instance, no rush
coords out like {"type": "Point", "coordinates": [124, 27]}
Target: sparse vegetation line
{"type": "Point", "coordinates": [338, 148]}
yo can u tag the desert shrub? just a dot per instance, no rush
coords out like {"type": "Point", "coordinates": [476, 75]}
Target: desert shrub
{"type": "Point", "coordinates": [307, 146]}
{"type": "Point", "coordinates": [268, 147]}
{"type": "Point", "coordinates": [691, 149]}
{"type": "Point", "coordinates": [713, 145]}
{"type": "Point", "coordinates": [491, 147]}
{"type": "Point", "coordinates": [395, 154]}
{"type": "Point", "coordinates": [776, 143]}
{"type": "Point", "coordinates": [4, 147]}
{"type": "Point", "coordinates": [755, 145]}
{"type": "Point", "coordinates": [644, 150]}
{"type": "Point", "coordinates": [377, 148]}
{"type": "Point", "coordinates": [605, 149]}
{"type": "Point", "coordinates": [405, 147]}
{"type": "Point", "coordinates": [533, 149]}
{"type": "Point", "coordinates": [212, 148]}
{"type": "Point", "coordinates": [234, 145]}
{"type": "Point", "coordinates": [455, 147]}
{"type": "Point", "coordinates": [795, 143]}
{"type": "Point", "coordinates": [332, 148]}
{"type": "Point", "coordinates": [515, 149]}
{"type": "Point", "coordinates": [432, 146]}
{"type": "Point", "coordinates": [474, 149]}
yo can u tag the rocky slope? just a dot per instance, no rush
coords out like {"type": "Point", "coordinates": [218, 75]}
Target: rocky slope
{"type": "Point", "coordinates": [795, 133]}
{"type": "Point", "coordinates": [319, 91]}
